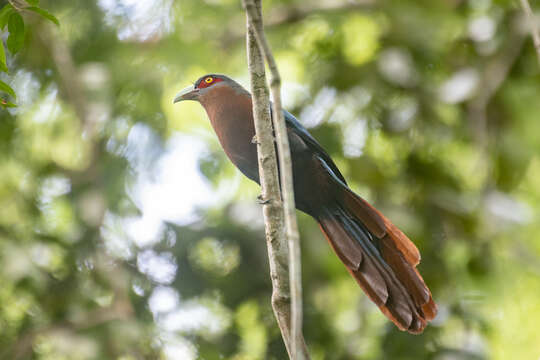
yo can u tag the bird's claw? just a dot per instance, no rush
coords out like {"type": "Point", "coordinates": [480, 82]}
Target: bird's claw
{"type": "Point", "coordinates": [262, 201]}
{"type": "Point", "coordinates": [254, 140]}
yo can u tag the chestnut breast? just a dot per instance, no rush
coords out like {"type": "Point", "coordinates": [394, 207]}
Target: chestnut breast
{"type": "Point", "coordinates": [230, 113]}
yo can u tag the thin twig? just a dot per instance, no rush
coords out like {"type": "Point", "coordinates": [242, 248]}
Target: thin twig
{"type": "Point", "coordinates": [277, 244]}
{"type": "Point", "coordinates": [17, 4]}
{"type": "Point", "coordinates": [292, 13]}
{"type": "Point", "coordinates": [253, 8]}
{"type": "Point", "coordinates": [535, 32]}
{"type": "Point", "coordinates": [493, 76]}
{"type": "Point", "coordinates": [278, 253]}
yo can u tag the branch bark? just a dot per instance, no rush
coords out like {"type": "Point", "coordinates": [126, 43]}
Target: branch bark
{"type": "Point", "coordinates": [290, 325]}
{"type": "Point", "coordinates": [273, 215]}
{"type": "Point", "coordinates": [254, 15]}
{"type": "Point", "coordinates": [533, 24]}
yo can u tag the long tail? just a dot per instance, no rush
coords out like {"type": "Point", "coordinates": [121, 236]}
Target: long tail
{"type": "Point", "coordinates": [381, 259]}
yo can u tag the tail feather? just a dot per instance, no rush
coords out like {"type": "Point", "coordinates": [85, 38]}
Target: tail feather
{"type": "Point", "coordinates": [407, 274]}
{"type": "Point", "coordinates": [363, 210]}
{"type": "Point", "coordinates": [398, 298]}
{"type": "Point", "coordinates": [382, 260]}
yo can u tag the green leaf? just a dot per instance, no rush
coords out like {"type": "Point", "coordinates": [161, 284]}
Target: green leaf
{"type": "Point", "coordinates": [47, 15]}
{"type": "Point", "coordinates": [16, 33]}
{"type": "Point", "coordinates": [4, 15]}
{"type": "Point", "coordinates": [33, 2]}
{"type": "Point", "coordinates": [3, 65]}
{"type": "Point", "coordinates": [6, 88]}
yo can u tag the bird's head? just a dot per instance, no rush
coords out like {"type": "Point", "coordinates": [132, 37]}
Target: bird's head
{"type": "Point", "coordinates": [199, 88]}
{"type": "Point", "coordinates": [205, 85]}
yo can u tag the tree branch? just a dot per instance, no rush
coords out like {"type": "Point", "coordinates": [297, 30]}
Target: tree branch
{"type": "Point", "coordinates": [273, 211]}
{"type": "Point", "coordinates": [535, 32]}
{"type": "Point", "coordinates": [73, 89]}
{"type": "Point", "coordinates": [288, 14]}
{"type": "Point", "coordinates": [268, 173]}
{"type": "Point", "coordinates": [287, 190]}
{"type": "Point", "coordinates": [69, 79]}
{"type": "Point", "coordinates": [494, 74]}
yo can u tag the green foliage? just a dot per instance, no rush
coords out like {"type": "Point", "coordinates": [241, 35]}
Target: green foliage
{"type": "Point", "coordinates": [16, 33]}
{"type": "Point", "coordinates": [47, 15]}
{"type": "Point", "coordinates": [3, 65]}
{"type": "Point", "coordinates": [125, 232]}
{"type": "Point", "coordinates": [11, 18]}
{"type": "Point", "coordinates": [5, 14]}
{"type": "Point", "coordinates": [6, 88]}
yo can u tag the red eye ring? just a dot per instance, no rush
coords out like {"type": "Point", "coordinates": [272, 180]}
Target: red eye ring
{"type": "Point", "coordinates": [208, 81]}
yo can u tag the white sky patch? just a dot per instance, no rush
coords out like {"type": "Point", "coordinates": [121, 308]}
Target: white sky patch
{"type": "Point", "coordinates": [145, 230]}
{"type": "Point", "coordinates": [396, 65]}
{"type": "Point", "coordinates": [176, 186]}
{"type": "Point", "coordinates": [313, 114]}
{"type": "Point", "coordinates": [461, 86]}
{"type": "Point", "coordinates": [482, 28]}
{"type": "Point", "coordinates": [355, 135]}
{"type": "Point", "coordinates": [189, 317]}
{"type": "Point", "coordinates": [293, 94]}
{"type": "Point", "coordinates": [137, 289]}
{"type": "Point", "coordinates": [402, 114]}
{"type": "Point", "coordinates": [113, 233]}
{"type": "Point", "coordinates": [195, 316]}
{"type": "Point", "coordinates": [26, 87]}
{"type": "Point", "coordinates": [49, 108]}
{"type": "Point", "coordinates": [169, 187]}
{"type": "Point", "coordinates": [178, 348]}
{"type": "Point", "coordinates": [160, 267]}
{"type": "Point", "coordinates": [163, 299]}
{"type": "Point", "coordinates": [507, 208]}
{"type": "Point", "coordinates": [349, 104]}
{"type": "Point", "coordinates": [52, 187]}
{"type": "Point", "coordinates": [247, 213]}
{"type": "Point", "coordinates": [140, 19]}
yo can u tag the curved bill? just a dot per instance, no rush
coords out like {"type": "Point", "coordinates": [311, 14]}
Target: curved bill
{"type": "Point", "coordinates": [189, 93]}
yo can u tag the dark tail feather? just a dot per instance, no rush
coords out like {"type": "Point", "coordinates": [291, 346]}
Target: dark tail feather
{"type": "Point", "coordinates": [384, 266]}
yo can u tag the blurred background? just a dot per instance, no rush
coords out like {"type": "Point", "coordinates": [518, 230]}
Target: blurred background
{"type": "Point", "coordinates": [125, 233]}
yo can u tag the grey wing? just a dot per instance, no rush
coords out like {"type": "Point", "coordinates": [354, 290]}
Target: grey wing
{"type": "Point", "coordinates": [313, 144]}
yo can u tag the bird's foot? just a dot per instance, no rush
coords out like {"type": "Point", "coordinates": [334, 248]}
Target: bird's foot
{"type": "Point", "coordinates": [254, 140]}
{"type": "Point", "coordinates": [262, 201]}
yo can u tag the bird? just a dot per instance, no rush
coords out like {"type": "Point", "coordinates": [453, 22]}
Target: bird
{"type": "Point", "coordinates": [380, 257]}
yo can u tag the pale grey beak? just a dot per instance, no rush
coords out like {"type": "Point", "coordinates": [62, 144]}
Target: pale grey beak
{"type": "Point", "coordinates": [189, 93]}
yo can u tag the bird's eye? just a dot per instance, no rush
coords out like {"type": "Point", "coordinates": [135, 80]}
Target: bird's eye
{"type": "Point", "coordinates": [208, 80]}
